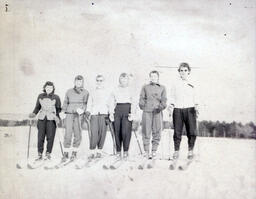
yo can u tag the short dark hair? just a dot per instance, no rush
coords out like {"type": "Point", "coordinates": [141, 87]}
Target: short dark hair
{"type": "Point", "coordinates": [100, 76]}
{"type": "Point", "coordinates": [79, 77]}
{"type": "Point", "coordinates": [154, 71]}
{"type": "Point", "coordinates": [184, 65]}
{"type": "Point", "coordinates": [48, 83]}
{"type": "Point", "coordinates": [123, 75]}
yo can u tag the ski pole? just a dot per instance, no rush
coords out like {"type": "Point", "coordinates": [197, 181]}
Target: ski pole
{"type": "Point", "coordinates": [198, 147]}
{"type": "Point", "coordinates": [29, 134]}
{"type": "Point", "coordinates": [61, 147]}
{"type": "Point", "coordinates": [113, 136]}
{"type": "Point", "coordinates": [169, 141]}
{"type": "Point", "coordinates": [88, 128]}
{"type": "Point", "coordinates": [138, 141]}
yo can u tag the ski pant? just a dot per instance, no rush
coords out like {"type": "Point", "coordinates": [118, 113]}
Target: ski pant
{"type": "Point", "coordinates": [46, 128]}
{"type": "Point", "coordinates": [98, 131]}
{"type": "Point", "coordinates": [122, 126]}
{"type": "Point", "coordinates": [73, 126]}
{"type": "Point", "coordinates": [151, 123]}
{"type": "Point", "coordinates": [185, 116]}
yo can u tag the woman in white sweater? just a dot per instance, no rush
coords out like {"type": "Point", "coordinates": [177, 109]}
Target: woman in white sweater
{"type": "Point", "coordinates": [122, 111]}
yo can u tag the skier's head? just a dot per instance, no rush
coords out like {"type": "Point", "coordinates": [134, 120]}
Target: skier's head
{"type": "Point", "coordinates": [124, 80]}
{"type": "Point", "coordinates": [184, 70]}
{"type": "Point", "coordinates": [99, 81]}
{"type": "Point", "coordinates": [79, 81]}
{"type": "Point", "coordinates": [154, 76]}
{"type": "Point", "coordinates": [48, 87]}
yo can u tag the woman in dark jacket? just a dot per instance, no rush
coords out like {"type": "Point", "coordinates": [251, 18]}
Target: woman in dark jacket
{"type": "Point", "coordinates": [48, 107]}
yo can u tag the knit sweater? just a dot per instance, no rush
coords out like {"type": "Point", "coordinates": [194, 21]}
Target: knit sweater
{"type": "Point", "coordinates": [48, 106]}
{"type": "Point", "coordinates": [75, 98]}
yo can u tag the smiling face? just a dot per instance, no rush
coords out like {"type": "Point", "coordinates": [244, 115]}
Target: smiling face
{"type": "Point", "coordinates": [154, 77]}
{"type": "Point", "coordinates": [124, 81]}
{"type": "Point", "coordinates": [184, 73]}
{"type": "Point", "coordinates": [48, 89]}
{"type": "Point", "coordinates": [78, 83]}
{"type": "Point", "coordinates": [99, 82]}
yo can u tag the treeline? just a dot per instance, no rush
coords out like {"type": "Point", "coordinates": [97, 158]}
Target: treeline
{"type": "Point", "coordinates": [206, 128]}
{"type": "Point", "coordinates": [223, 129]}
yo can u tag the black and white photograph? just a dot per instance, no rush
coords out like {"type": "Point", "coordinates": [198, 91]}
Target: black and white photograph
{"type": "Point", "coordinates": [114, 99]}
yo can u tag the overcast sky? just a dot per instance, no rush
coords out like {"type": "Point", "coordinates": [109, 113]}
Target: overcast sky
{"type": "Point", "coordinates": [57, 40]}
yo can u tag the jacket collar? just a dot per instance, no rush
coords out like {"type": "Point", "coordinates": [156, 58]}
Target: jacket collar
{"type": "Point", "coordinates": [78, 90]}
{"type": "Point", "coordinates": [151, 83]}
{"type": "Point", "coordinates": [45, 94]}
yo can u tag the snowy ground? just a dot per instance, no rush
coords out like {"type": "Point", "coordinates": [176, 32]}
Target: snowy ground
{"type": "Point", "coordinates": [225, 168]}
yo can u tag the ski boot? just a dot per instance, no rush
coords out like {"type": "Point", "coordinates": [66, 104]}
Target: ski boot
{"type": "Point", "coordinates": [39, 158]}
{"type": "Point", "coordinates": [118, 156]}
{"type": "Point", "coordinates": [47, 156]}
{"type": "Point", "coordinates": [144, 160]}
{"type": "Point", "coordinates": [153, 155]}
{"type": "Point", "coordinates": [73, 155]}
{"type": "Point", "coordinates": [175, 155]}
{"type": "Point", "coordinates": [98, 155]}
{"type": "Point", "coordinates": [190, 155]}
{"type": "Point", "coordinates": [125, 156]}
{"type": "Point", "coordinates": [65, 157]}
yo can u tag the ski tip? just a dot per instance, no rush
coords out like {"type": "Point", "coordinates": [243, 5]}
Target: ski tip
{"type": "Point", "coordinates": [48, 168]}
{"type": "Point", "coordinates": [130, 178]}
{"type": "Point", "coordinates": [18, 166]}
{"type": "Point", "coordinates": [78, 167]}
{"type": "Point", "coordinates": [29, 166]}
{"type": "Point", "coordinates": [149, 166]}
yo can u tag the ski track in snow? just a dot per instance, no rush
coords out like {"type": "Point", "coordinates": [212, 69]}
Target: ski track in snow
{"type": "Point", "coordinates": [224, 168]}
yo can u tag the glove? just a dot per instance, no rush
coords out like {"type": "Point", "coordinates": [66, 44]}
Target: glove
{"type": "Point", "coordinates": [156, 110]}
{"type": "Point", "coordinates": [57, 120]}
{"type": "Point", "coordinates": [87, 114]}
{"type": "Point", "coordinates": [130, 117]}
{"type": "Point", "coordinates": [170, 108]}
{"type": "Point", "coordinates": [107, 120]}
{"type": "Point", "coordinates": [80, 111]}
{"type": "Point", "coordinates": [32, 115]}
{"type": "Point", "coordinates": [62, 115]}
{"type": "Point", "coordinates": [197, 110]}
{"type": "Point", "coordinates": [111, 117]}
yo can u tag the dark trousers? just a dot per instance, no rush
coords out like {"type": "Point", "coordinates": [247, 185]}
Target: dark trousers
{"type": "Point", "coordinates": [185, 116]}
{"type": "Point", "coordinates": [46, 128]}
{"type": "Point", "coordinates": [122, 126]}
{"type": "Point", "coordinates": [98, 131]}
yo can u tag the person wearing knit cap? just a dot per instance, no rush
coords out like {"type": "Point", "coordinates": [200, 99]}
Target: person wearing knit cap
{"type": "Point", "coordinates": [74, 106]}
{"type": "Point", "coordinates": [152, 102]}
{"type": "Point", "coordinates": [48, 107]}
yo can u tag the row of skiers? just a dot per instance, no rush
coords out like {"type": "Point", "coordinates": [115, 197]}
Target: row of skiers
{"type": "Point", "coordinates": [118, 107]}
